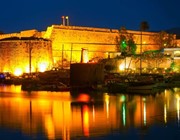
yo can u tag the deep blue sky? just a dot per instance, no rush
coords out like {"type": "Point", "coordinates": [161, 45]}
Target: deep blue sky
{"type": "Point", "coordinates": [18, 15]}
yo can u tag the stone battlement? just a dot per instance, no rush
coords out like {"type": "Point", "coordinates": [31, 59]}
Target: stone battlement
{"type": "Point", "coordinates": [26, 33]}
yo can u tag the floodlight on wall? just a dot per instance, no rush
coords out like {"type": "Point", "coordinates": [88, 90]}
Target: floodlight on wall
{"type": "Point", "coordinates": [67, 20]}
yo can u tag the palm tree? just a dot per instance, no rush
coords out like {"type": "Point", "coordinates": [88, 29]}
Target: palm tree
{"type": "Point", "coordinates": [143, 27]}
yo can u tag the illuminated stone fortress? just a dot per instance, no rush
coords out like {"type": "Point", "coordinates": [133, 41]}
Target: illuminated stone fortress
{"type": "Point", "coordinates": [61, 45]}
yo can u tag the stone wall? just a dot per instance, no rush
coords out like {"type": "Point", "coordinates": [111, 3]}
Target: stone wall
{"type": "Point", "coordinates": [178, 42]}
{"type": "Point", "coordinates": [16, 55]}
{"type": "Point", "coordinates": [26, 33]}
{"type": "Point", "coordinates": [64, 46]}
{"type": "Point", "coordinates": [67, 42]}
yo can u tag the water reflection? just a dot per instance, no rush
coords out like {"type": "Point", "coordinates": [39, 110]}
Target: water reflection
{"type": "Point", "coordinates": [59, 115]}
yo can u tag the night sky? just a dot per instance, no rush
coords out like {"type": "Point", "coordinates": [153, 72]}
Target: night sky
{"type": "Point", "coordinates": [18, 15]}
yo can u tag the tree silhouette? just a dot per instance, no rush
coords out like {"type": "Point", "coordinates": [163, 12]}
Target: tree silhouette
{"type": "Point", "coordinates": [164, 40]}
{"type": "Point", "coordinates": [125, 42]}
{"type": "Point", "coordinates": [144, 26]}
{"type": "Point", "coordinates": [153, 58]}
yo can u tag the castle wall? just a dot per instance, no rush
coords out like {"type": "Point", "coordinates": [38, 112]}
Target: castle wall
{"type": "Point", "coordinates": [16, 55]}
{"type": "Point", "coordinates": [64, 46]}
{"type": "Point", "coordinates": [26, 33]}
{"type": "Point", "coordinates": [67, 42]}
{"type": "Point", "coordinates": [178, 42]}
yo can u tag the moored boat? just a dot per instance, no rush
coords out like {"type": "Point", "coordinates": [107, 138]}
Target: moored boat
{"type": "Point", "coordinates": [133, 84]}
{"type": "Point", "coordinates": [141, 86]}
{"type": "Point", "coordinates": [118, 87]}
{"type": "Point", "coordinates": [35, 86]}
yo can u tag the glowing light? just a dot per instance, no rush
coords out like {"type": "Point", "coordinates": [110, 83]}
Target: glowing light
{"type": "Point", "coordinates": [16, 89]}
{"type": "Point", "coordinates": [177, 105]}
{"type": "Point", "coordinates": [49, 126]}
{"type": "Point", "coordinates": [121, 67]}
{"type": "Point", "coordinates": [93, 113]}
{"type": "Point", "coordinates": [55, 61]}
{"type": "Point", "coordinates": [107, 104]}
{"type": "Point", "coordinates": [123, 45]}
{"type": "Point", "coordinates": [144, 113]}
{"type": "Point", "coordinates": [27, 69]}
{"type": "Point", "coordinates": [42, 67]}
{"type": "Point", "coordinates": [126, 64]}
{"type": "Point", "coordinates": [165, 113]}
{"type": "Point", "coordinates": [122, 98]}
{"type": "Point", "coordinates": [124, 113]}
{"type": "Point", "coordinates": [86, 120]}
{"type": "Point", "coordinates": [18, 72]}
{"type": "Point", "coordinates": [178, 112]}
{"type": "Point", "coordinates": [83, 98]}
{"type": "Point", "coordinates": [5, 70]}
{"type": "Point", "coordinates": [84, 57]}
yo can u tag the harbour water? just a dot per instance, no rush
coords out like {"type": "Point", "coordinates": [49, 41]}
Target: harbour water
{"type": "Point", "coordinates": [48, 115]}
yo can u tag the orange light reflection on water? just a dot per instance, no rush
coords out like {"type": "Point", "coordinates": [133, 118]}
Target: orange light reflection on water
{"type": "Point", "coordinates": [10, 88]}
{"type": "Point", "coordinates": [60, 116]}
{"type": "Point", "coordinates": [85, 120]}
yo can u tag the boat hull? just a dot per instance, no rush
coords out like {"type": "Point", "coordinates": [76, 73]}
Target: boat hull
{"type": "Point", "coordinates": [141, 87]}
